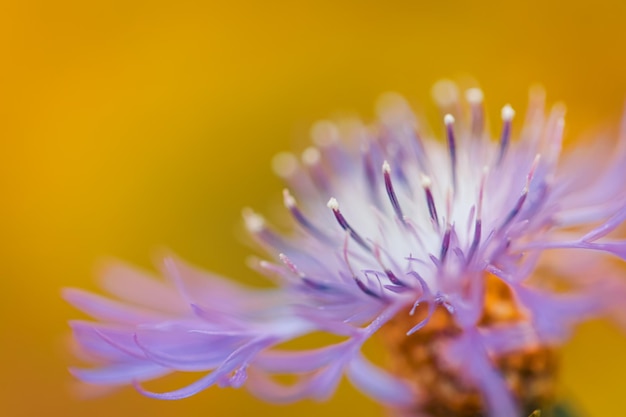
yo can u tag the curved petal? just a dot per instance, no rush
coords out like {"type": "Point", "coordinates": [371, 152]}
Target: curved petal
{"type": "Point", "coordinates": [239, 358]}
{"type": "Point", "coordinates": [105, 309]}
{"type": "Point", "coordinates": [468, 357]}
{"type": "Point", "coordinates": [140, 288]}
{"type": "Point", "coordinates": [380, 385]}
{"type": "Point", "coordinates": [299, 361]}
{"type": "Point", "coordinates": [120, 373]}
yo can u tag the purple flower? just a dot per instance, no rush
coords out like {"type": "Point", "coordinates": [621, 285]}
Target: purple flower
{"type": "Point", "coordinates": [473, 257]}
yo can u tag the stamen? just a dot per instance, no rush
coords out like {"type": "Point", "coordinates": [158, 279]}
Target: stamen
{"type": "Point", "coordinates": [346, 258]}
{"type": "Point", "coordinates": [449, 199]}
{"type": "Point", "coordinates": [284, 164]}
{"type": "Point", "coordinates": [446, 95]}
{"type": "Point", "coordinates": [266, 268]}
{"type": "Point", "coordinates": [257, 227]}
{"type": "Point", "coordinates": [287, 166]}
{"type": "Point", "coordinates": [553, 134]}
{"type": "Point", "coordinates": [393, 110]}
{"type": "Point", "coordinates": [390, 191]}
{"type": "Point", "coordinates": [334, 206]}
{"type": "Point", "coordinates": [533, 168]}
{"type": "Point", "coordinates": [398, 163]}
{"type": "Point", "coordinates": [481, 192]}
{"type": "Point", "coordinates": [534, 120]}
{"type": "Point", "coordinates": [365, 288]}
{"type": "Point", "coordinates": [326, 136]}
{"type": "Point", "coordinates": [425, 297]}
{"type": "Point", "coordinates": [520, 201]}
{"type": "Point", "coordinates": [516, 209]}
{"type": "Point", "coordinates": [507, 116]}
{"type": "Point", "coordinates": [478, 225]}
{"type": "Point", "coordinates": [413, 231]}
{"type": "Point", "coordinates": [311, 157]}
{"type": "Point", "coordinates": [420, 151]}
{"type": "Point", "coordinates": [445, 243]}
{"type": "Point", "coordinates": [292, 206]}
{"type": "Point", "coordinates": [474, 97]}
{"type": "Point", "coordinates": [449, 122]}
{"type": "Point", "coordinates": [255, 223]}
{"type": "Point", "coordinates": [370, 173]}
{"type": "Point", "coordinates": [479, 210]}
{"type": "Point", "coordinates": [294, 269]}
{"type": "Point", "coordinates": [392, 277]}
{"type": "Point", "coordinates": [432, 209]}
{"type": "Point", "coordinates": [324, 133]}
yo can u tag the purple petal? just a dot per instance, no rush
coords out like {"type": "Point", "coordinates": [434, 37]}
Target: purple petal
{"type": "Point", "coordinates": [324, 382]}
{"type": "Point", "coordinates": [105, 341]}
{"type": "Point", "coordinates": [510, 338]}
{"type": "Point", "coordinates": [467, 354]}
{"type": "Point", "coordinates": [212, 292]}
{"type": "Point", "coordinates": [105, 309]}
{"type": "Point", "coordinates": [379, 385]}
{"type": "Point", "coordinates": [261, 385]}
{"type": "Point", "coordinates": [299, 361]}
{"type": "Point", "coordinates": [553, 316]}
{"type": "Point", "coordinates": [202, 354]}
{"type": "Point", "coordinates": [606, 228]}
{"type": "Point", "coordinates": [237, 359]}
{"type": "Point", "coordinates": [140, 288]}
{"type": "Point", "coordinates": [120, 373]}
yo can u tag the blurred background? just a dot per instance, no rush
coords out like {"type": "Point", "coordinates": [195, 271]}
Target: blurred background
{"type": "Point", "coordinates": [127, 126]}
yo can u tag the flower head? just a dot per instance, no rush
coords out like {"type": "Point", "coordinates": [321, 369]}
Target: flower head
{"type": "Point", "coordinates": [472, 257]}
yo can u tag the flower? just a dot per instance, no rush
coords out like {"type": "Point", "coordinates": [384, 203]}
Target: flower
{"type": "Point", "coordinates": [473, 258]}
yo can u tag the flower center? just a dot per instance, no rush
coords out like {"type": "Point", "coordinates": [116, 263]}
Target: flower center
{"type": "Point", "coordinates": [530, 374]}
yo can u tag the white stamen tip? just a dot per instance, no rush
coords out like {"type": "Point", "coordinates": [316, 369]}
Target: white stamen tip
{"type": "Point", "coordinates": [288, 199]}
{"type": "Point", "coordinates": [536, 161]}
{"type": "Point", "coordinates": [559, 108]}
{"type": "Point", "coordinates": [507, 113]}
{"type": "Point", "coordinates": [392, 108]}
{"type": "Point", "coordinates": [445, 93]}
{"type": "Point", "coordinates": [448, 119]}
{"type": "Point", "coordinates": [474, 96]}
{"type": "Point", "coordinates": [311, 156]}
{"type": "Point", "coordinates": [386, 167]}
{"type": "Point", "coordinates": [254, 222]}
{"type": "Point", "coordinates": [284, 164]}
{"type": "Point", "coordinates": [426, 181]}
{"type": "Point", "coordinates": [537, 93]}
{"type": "Point", "coordinates": [333, 204]}
{"type": "Point", "coordinates": [324, 133]}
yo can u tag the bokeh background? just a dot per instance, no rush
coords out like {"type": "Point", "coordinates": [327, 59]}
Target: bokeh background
{"type": "Point", "coordinates": [127, 126]}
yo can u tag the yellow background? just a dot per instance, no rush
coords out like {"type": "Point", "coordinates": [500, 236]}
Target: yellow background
{"type": "Point", "coordinates": [128, 126]}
